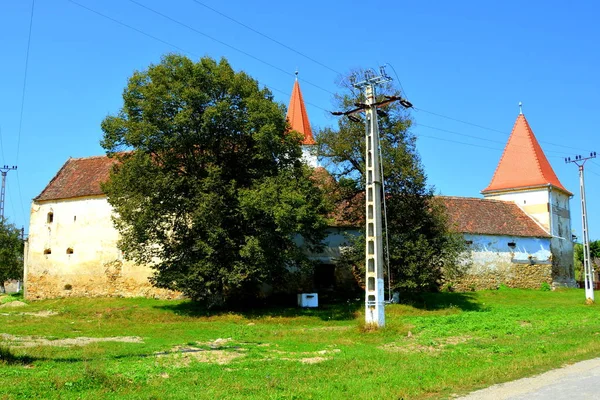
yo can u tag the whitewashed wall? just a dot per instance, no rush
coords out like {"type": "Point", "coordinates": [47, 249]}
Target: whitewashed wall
{"type": "Point", "coordinates": [95, 267]}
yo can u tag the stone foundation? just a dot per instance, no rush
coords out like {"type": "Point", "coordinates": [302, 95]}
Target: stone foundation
{"type": "Point", "coordinates": [524, 276]}
{"type": "Point", "coordinates": [47, 286]}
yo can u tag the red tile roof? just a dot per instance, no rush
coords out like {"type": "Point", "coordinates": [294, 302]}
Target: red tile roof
{"type": "Point", "coordinates": [489, 217]}
{"type": "Point", "coordinates": [523, 163]}
{"type": "Point", "coordinates": [81, 177]}
{"type": "Point", "coordinates": [78, 177]}
{"type": "Point", "coordinates": [298, 117]}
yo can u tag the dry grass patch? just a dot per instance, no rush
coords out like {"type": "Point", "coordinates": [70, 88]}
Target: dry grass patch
{"type": "Point", "coordinates": [408, 345]}
{"type": "Point", "coordinates": [34, 341]}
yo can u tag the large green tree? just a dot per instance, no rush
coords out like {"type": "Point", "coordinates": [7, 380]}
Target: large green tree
{"type": "Point", "coordinates": [578, 257]}
{"type": "Point", "coordinates": [11, 252]}
{"type": "Point", "coordinates": [210, 189]}
{"type": "Point", "coordinates": [423, 251]}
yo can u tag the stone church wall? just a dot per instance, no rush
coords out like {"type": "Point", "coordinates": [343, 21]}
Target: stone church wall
{"type": "Point", "coordinates": [517, 262]}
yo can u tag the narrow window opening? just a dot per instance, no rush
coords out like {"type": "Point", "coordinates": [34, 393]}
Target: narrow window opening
{"type": "Point", "coordinates": [50, 217]}
{"type": "Point", "coordinates": [74, 218]}
{"type": "Point", "coordinates": [47, 251]}
{"type": "Point", "coordinates": [70, 250]}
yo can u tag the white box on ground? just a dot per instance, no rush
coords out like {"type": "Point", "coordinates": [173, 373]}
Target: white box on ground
{"type": "Point", "coordinates": [308, 300]}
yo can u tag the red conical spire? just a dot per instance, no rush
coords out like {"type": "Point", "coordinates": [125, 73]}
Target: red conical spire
{"type": "Point", "coordinates": [523, 163]}
{"type": "Point", "coordinates": [297, 115]}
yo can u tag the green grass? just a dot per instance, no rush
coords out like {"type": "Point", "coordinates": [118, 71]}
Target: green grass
{"type": "Point", "coordinates": [439, 345]}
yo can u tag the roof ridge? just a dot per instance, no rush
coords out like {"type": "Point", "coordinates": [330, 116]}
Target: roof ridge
{"type": "Point", "coordinates": [533, 142]}
{"type": "Point", "coordinates": [298, 117]}
{"type": "Point", "coordinates": [523, 163]}
{"type": "Point", "coordinates": [88, 157]}
{"type": "Point", "coordinates": [475, 199]}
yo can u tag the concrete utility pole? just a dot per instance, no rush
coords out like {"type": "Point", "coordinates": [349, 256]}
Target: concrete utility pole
{"type": "Point", "coordinates": [374, 290]}
{"type": "Point", "coordinates": [4, 170]}
{"type": "Point", "coordinates": [588, 270]}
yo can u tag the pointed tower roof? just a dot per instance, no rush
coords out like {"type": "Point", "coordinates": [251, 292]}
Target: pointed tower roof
{"type": "Point", "coordinates": [297, 115]}
{"type": "Point", "coordinates": [523, 163]}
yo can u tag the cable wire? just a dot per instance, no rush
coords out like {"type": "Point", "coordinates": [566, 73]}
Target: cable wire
{"type": "Point", "coordinates": [226, 44]}
{"type": "Point", "coordinates": [24, 81]}
{"type": "Point", "coordinates": [267, 37]}
{"type": "Point", "coordinates": [23, 215]}
{"type": "Point", "coordinates": [178, 47]}
{"type": "Point", "coordinates": [2, 147]}
{"type": "Point", "coordinates": [385, 223]}
{"type": "Point", "coordinates": [489, 129]}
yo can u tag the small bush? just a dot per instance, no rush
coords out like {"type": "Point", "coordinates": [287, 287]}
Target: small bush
{"type": "Point", "coordinates": [545, 287]}
{"type": "Point", "coordinates": [448, 287]}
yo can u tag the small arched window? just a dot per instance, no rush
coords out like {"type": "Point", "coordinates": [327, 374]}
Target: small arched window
{"type": "Point", "coordinates": [47, 251]}
{"type": "Point", "coordinates": [70, 250]}
{"type": "Point", "coordinates": [50, 217]}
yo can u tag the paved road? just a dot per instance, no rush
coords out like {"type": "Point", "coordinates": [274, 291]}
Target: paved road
{"type": "Point", "coordinates": [579, 381]}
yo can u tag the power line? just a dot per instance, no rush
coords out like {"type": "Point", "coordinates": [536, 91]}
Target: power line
{"type": "Point", "coordinates": [491, 129]}
{"type": "Point", "coordinates": [267, 37]}
{"type": "Point", "coordinates": [226, 44]}
{"type": "Point", "coordinates": [456, 141]}
{"type": "Point", "coordinates": [177, 47]}
{"type": "Point", "coordinates": [280, 69]}
{"type": "Point", "coordinates": [23, 215]}
{"type": "Point", "coordinates": [25, 80]}
{"type": "Point", "coordinates": [1, 147]}
{"type": "Point", "coordinates": [133, 28]}
{"type": "Point", "coordinates": [479, 138]}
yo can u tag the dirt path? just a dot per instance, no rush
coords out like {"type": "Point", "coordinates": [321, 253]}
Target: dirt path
{"type": "Point", "coordinates": [574, 382]}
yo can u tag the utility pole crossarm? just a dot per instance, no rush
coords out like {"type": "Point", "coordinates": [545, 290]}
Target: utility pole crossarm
{"type": "Point", "coordinates": [588, 270]}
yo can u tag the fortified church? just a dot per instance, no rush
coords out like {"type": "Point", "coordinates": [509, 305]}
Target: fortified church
{"type": "Point", "coordinates": [519, 234]}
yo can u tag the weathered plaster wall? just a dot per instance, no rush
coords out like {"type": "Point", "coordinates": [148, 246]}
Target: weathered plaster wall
{"type": "Point", "coordinates": [551, 209]}
{"type": "Point", "coordinates": [563, 271]}
{"type": "Point", "coordinates": [494, 262]}
{"type": "Point", "coordinates": [74, 253]}
{"type": "Point", "coordinates": [335, 241]}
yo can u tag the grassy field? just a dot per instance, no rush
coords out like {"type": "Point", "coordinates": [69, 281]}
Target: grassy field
{"type": "Point", "coordinates": [439, 346]}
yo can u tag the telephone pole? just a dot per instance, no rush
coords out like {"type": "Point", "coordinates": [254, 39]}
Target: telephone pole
{"type": "Point", "coordinates": [4, 170]}
{"type": "Point", "coordinates": [374, 289]}
{"type": "Point", "coordinates": [588, 270]}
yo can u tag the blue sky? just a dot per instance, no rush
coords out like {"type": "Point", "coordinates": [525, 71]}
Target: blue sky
{"type": "Point", "coordinates": [471, 61]}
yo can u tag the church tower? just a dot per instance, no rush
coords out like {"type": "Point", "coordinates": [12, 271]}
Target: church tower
{"type": "Point", "coordinates": [298, 119]}
{"type": "Point", "coordinates": [525, 176]}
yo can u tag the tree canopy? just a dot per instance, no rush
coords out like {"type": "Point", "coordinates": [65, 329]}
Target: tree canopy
{"type": "Point", "coordinates": [422, 249]}
{"type": "Point", "coordinates": [11, 252]}
{"type": "Point", "coordinates": [578, 257]}
{"type": "Point", "coordinates": [210, 190]}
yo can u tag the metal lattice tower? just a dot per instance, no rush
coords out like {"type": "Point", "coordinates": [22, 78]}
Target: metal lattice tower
{"type": "Point", "coordinates": [4, 170]}
{"type": "Point", "coordinates": [588, 270]}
